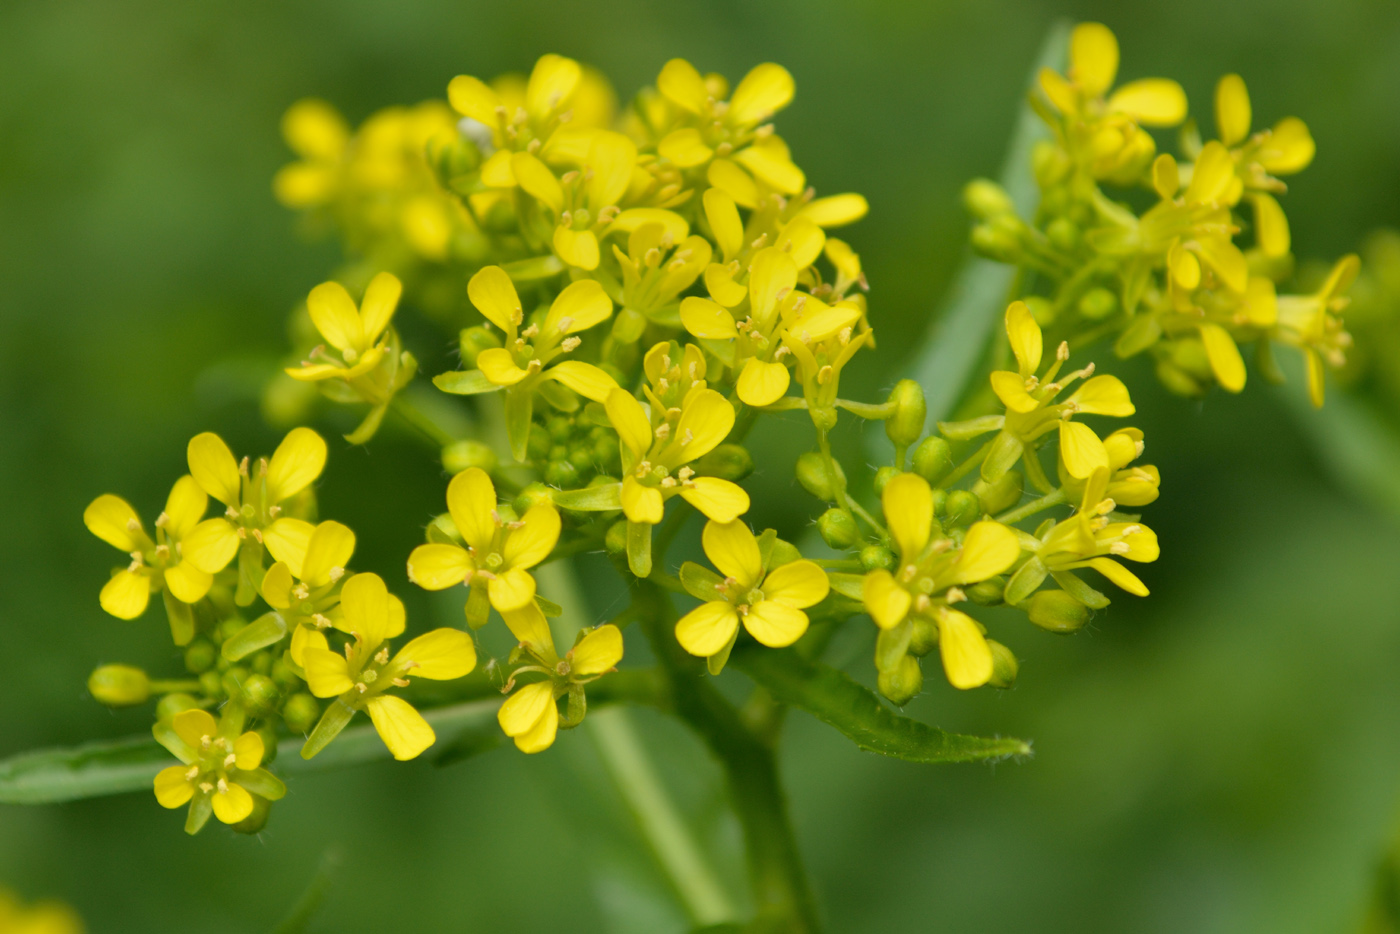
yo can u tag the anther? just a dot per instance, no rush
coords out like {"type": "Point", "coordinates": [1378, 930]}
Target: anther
{"type": "Point", "coordinates": [229, 760]}
{"type": "Point", "coordinates": [336, 573]}
{"type": "Point", "coordinates": [564, 324]}
{"type": "Point", "coordinates": [162, 520]}
{"type": "Point", "coordinates": [570, 344]}
{"type": "Point", "coordinates": [954, 595]}
{"type": "Point", "coordinates": [1062, 352]}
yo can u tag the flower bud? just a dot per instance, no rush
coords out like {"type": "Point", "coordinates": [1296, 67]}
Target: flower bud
{"type": "Point", "coordinates": [1098, 304]}
{"type": "Point", "coordinates": [300, 712]}
{"type": "Point", "coordinates": [453, 156]}
{"type": "Point", "coordinates": [1063, 234]}
{"type": "Point", "coordinates": [989, 592]}
{"type": "Point", "coordinates": [1050, 163]}
{"type": "Point", "coordinates": [533, 495]}
{"type": "Point", "coordinates": [962, 507]}
{"type": "Point", "coordinates": [231, 682]}
{"type": "Point", "coordinates": [985, 199]}
{"type": "Point", "coordinates": [1004, 665]}
{"type": "Point", "coordinates": [838, 529]}
{"type": "Point", "coordinates": [1001, 494]}
{"type": "Point", "coordinates": [1057, 611]}
{"type": "Point", "coordinates": [883, 476]}
{"type": "Point", "coordinates": [1041, 309]}
{"type": "Point", "coordinates": [727, 461]}
{"type": "Point", "coordinates": [815, 478]}
{"type": "Point", "coordinates": [119, 685]}
{"type": "Point", "coordinates": [999, 239]}
{"type": "Point", "coordinates": [933, 458]}
{"type": "Point", "coordinates": [924, 638]}
{"type": "Point", "coordinates": [171, 704]}
{"type": "Point", "coordinates": [460, 455]}
{"type": "Point", "coordinates": [907, 423]}
{"type": "Point", "coordinates": [229, 628]}
{"type": "Point", "coordinates": [257, 819]}
{"type": "Point", "coordinates": [628, 326]}
{"type": "Point", "coordinates": [1177, 381]}
{"type": "Point", "coordinates": [211, 683]}
{"type": "Point", "coordinates": [473, 341]}
{"type": "Point", "coordinates": [258, 692]}
{"type": "Point", "coordinates": [269, 737]}
{"type": "Point", "coordinates": [562, 474]}
{"type": "Point", "coordinates": [902, 682]}
{"type": "Point", "coordinates": [875, 557]}
{"type": "Point", "coordinates": [199, 656]}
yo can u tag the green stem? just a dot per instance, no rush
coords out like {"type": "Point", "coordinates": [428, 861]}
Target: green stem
{"type": "Point", "coordinates": [418, 419]}
{"type": "Point", "coordinates": [1053, 498]}
{"type": "Point", "coordinates": [962, 469]}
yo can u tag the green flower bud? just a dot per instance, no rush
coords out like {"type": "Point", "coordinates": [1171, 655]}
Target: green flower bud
{"type": "Point", "coordinates": [606, 452]}
{"type": "Point", "coordinates": [261, 662]}
{"type": "Point", "coordinates": [1004, 665]}
{"type": "Point", "coordinates": [838, 529]}
{"type": "Point", "coordinates": [119, 685]}
{"type": "Point", "coordinates": [1041, 309]}
{"type": "Point", "coordinates": [883, 476]}
{"type": "Point", "coordinates": [989, 592]}
{"type": "Point", "coordinates": [562, 474]}
{"type": "Point", "coordinates": [453, 156]}
{"type": "Point", "coordinates": [211, 683]}
{"type": "Point", "coordinates": [628, 326]}
{"type": "Point", "coordinates": [300, 712]}
{"type": "Point", "coordinates": [933, 458]}
{"type": "Point", "coordinates": [907, 423]}
{"type": "Point", "coordinates": [924, 638]}
{"type": "Point", "coordinates": [940, 502]}
{"type": "Point", "coordinates": [999, 238]}
{"type": "Point", "coordinates": [1057, 611]}
{"type": "Point", "coordinates": [199, 656]}
{"type": "Point", "coordinates": [460, 455]}
{"type": "Point", "coordinates": [812, 473]}
{"type": "Point", "coordinates": [533, 495]}
{"type": "Point", "coordinates": [269, 738]}
{"type": "Point", "coordinates": [1098, 304]}
{"type": "Point", "coordinates": [229, 628]}
{"type": "Point", "coordinates": [1063, 234]}
{"type": "Point", "coordinates": [258, 692]}
{"type": "Point", "coordinates": [616, 540]}
{"type": "Point", "coordinates": [1001, 494]}
{"type": "Point", "coordinates": [473, 341]}
{"type": "Point", "coordinates": [1050, 164]}
{"type": "Point", "coordinates": [538, 444]}
{"type": "Point", "coordinates": [257, 819]}
{"type": "Point", "coordinates": [231, 682]}
{"type": "Point", "coordinates": [727, 461]}
{"type": "Point", "coordinates": [560, 429]}
{"type": "Point", "coordinates": [874, 557]}
{"type": "Point", "coordinates": [1177, 381]}
{"type": "Point", "coordinates": [171, 704]}
{"type": "Point", "coordinates": [281, 673]}
{"type": "Point", "coordinates": [985, 199]}
{"type": "Point", "coordinates": [902, 683]}
{"type": "Point", "coordinates": [581, 456]}
{"type": "Point", "coordinates": [962, 507]}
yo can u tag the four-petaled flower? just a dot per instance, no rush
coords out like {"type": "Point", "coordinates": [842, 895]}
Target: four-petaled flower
{"type": "Point", "coordinates": [354, 332]}
{"type": "Point", "coordinates": [221, 770]}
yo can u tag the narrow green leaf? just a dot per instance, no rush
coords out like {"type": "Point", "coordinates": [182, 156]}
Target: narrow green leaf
{"type": "Point", "coordinates": [1356, 446]}
{"type": "Point", "coordinates": [108, 768]}
{"type": "Point", "coordinates": [834, 698]}
{"type": "Point", "coordinates": [304, 911]}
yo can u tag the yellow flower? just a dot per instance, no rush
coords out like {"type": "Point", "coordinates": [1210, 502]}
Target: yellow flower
{"type": "Point", "coordinates": [1195, 229]}
{"type": "Point", "coordinates": [360, 678]}
{"type": "Point", "coordinates": [317, 133]}
{"type": "Point", "coordinates": [554, 113]}
{"type": "Point", "coordinates": [1090, 540]}
{"type": "Point", "coordinates": [254, 499]}
{"type": "Point", "coordinates": [768, 600]}
{"type": "Point", "coordinates": [498, 553]}
{"type": "Point", "coordinates": [656, 269]}
{"type": "Point", "coordinates": [1313, 323]}
{"type": "Point", "coordinates": [44, 917]}
{"type": "Point", "coordinates": [182, 559]}
{"type": "Point", "coordinates": [930, 573]}
{"type": "Point", "coordinates": [1127, 486]}
{"type": "Point", "coordinates": [530, 716]}
{"type": "Point", "coordinates": [304, 591]}
{"type": "Point", "coordinates": [221, 770]}
{"type": "Point", "coordinates": [354, 332]}
{"type": "Point", "coordinates": [529, 361]}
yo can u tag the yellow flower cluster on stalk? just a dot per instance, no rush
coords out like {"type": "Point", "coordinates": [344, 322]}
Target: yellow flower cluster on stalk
{"type": "Point", "coordinates": [630, 293]}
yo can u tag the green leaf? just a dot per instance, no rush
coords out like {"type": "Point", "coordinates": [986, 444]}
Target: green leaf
{"type": "Point", "coordinates": [108, 768]}
{"type": "Point", "coordinates": [834, 698]}
{"type": "Point", "coordinates": [1356, 446]}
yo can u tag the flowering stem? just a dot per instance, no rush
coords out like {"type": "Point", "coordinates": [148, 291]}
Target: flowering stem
{"type": "Point", "coordinates": [965, 467]}
{"type": "Point", "coordinates": [1053, 498]}
{"type": "Point", "coordinates": [420, 420]}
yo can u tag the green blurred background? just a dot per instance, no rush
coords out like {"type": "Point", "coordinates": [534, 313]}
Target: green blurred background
{"type": "Point", "coordinates": [1221, 757]}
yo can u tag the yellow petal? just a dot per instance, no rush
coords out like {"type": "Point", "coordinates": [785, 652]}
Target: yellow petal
{"type": "Point", "coordinates": [1166, 176]}
{"type": "Point", "coordinates": [276, 587]}
{"type": "Point", "coordinates": [835, 210]}
{"type": "Point", "coordinates": [303, 638]}
{"type": "Point", "coordinates": [371, 612]}
{"type": "Point", "coordinates": [172, 788]}
{"type": "Point", "coordinates": [112, 519]}
{"type": "Point", "coordinates": [552, 84]}
{"type": "Point", "coordinates": [643, 504]}
{"type": "Point", "coordinates": [442, 655]}
{"type": "Point", "coordinates": [598, 651]}
{"type": "Point", "coordinates": [675, 226]}
{"type": "Point", "coordinates": [723, 216]}
{"type": "Point", "coordinates": [610, 163]}
{"type": "Point", "coordinates": [721, 285]}
{"type": "Point", "coordinates": [437, 567]}
{"type": "Point", "coordinates": [768, 161]}
{"type": "Point", "coordinates": [1150, 101]}
{"type": "Point", "coordinates": [541, 736]}
{"type": "Point", "coordinates": [536, 178]}
{"type": "Point", "coordinates": [187, 583]}
{"type": "Point", "coordinates": [1011, 390]}
{"type": "Point", "coordinates": [1232, 111]}
{"type": "Point", "coordinates": [248, 751]}
{"type": "Point", "coordinates": [335, 316]}
{"type": "Point", "coordinates": [327, 674]}
{"type": "Point", "coordinates": [494, 295]}
{"type": "Point", "coordinates": [400, 726]}
{"type": "Point", "coordinates": [885, 601]}
{"type": "Point", "coordinates": [988, 549]}
{"type": "Point", "coordinates": [194, 726]}
{"type": "Point", "coordinates": [1025, 337]}
{"type": "Point", "coordinates": [471, 498]}
{"type": "Point", "coordinates": [583, 378]}
{"type": "Point", "coordinates": [733, 181]}
{"type": "Point", "coordinates": [765, 90]}
{"type": "Point", "coordinates": [707, 319]}
{"type": "Point", "coordinates": [1270, 226]}
{"type": "Point", "coordinates": [498, 366]}
{"type": "Point", "coordinates": [1289, 148]}
{"type": "Point", "coordinates": [304, 184]}
{"type": "Point", "coordinates": [967, 659]}
{"type": "Point", "coordinates": [682, 85]}
{"type": "Point", "coordinates": [908, 504]}
{"type": "Point", "coordinates": [1081, 450]}
{"type": "Point", "coordinates": [530, 544]}
{"type": "Point", "coordinates": [471, 97]}
{"type": "Point", "coordinates": [287, 541]}
{"type": "Point", "coordinates": [1317, 378]}
{"type": "Point", "coordinates": [630, 420]}
{"type": "Point", "coordinates": [1211, 175]}
{"type": "Point", "coordinates": [1227, 261]}
{"type": "Point", "coordinates": [523, 709]}
{"type": "Point", "coordinates": [298, 461]}
{"type": "Point", "coordinates": [705, 421]}
{"type": "Point", "coordinates": [1141, 541]}
{"type": "Point", "coordinates": [1093, 58]}
{"type": "Point", "coordinates": [184, 507]}
{"type": "Point", "coordinates": [1104, 395]}
{"type": "Point", "coordinates": [511, 589]}
{"type": "Point", "coordinates": [126, 595]}
{"type": "Point", "coordinates": [233, 804]}
{"type": "Point", "coordinates": [214, 469]}
{"type": "Point", "coordinates": [579, 307]}
{"type": "Point", "coordinates": [1224, 356]}
{"type": "Point", "coordinates": [798, 584]}
{"type": "Point", "coordinates": [775, 624]}
{"type": "Point", "coordinates": [314, 129]}
{"type": "Point", "coordinates": [732, 548]}
{"type": "Point", "coordinates": [685, 148]}
{"type": "Point", "coordinates": [1119, 575]}
{"type": "Point", "coordinates": [707, 629]}
{"type": "Point", "coordinates": [380, 301]}
{"type": "Point", "coordinates": [1123, 446]}
{"type": "Point", "coordinates": [1060, 92]}
{"type": "Point", "coordinates": [496, 171]}
{"type": "Point", "coordinates": [716, 499]}
{"type": "Point", "coordinates": [1261, 302]}
{"type": "Point", "coordinates": [762, 383]}
{"type": "Point", "coordinates": [529, 626]}
{"type": "Point", "coordinates": [803, 240]}
{"type": "Point", "coordinates": [1186, 269]}
{"type": "Point", "coordinates": [329, 548]}
{"type": "Point", "coordinates": [818, 323]}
